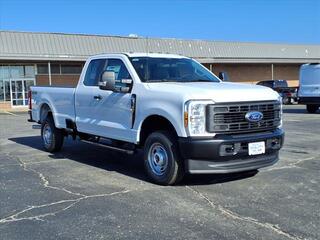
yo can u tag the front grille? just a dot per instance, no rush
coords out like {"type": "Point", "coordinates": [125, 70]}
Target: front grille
{"type": "Point", "coordinates": [230, 118]}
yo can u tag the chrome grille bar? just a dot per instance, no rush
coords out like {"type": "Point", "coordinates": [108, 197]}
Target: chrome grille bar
{"type": "Point", "coordinates": [230, 117]}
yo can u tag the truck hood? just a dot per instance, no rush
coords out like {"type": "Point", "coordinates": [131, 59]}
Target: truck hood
{"type": "Point", "coordinates": [216, 91]}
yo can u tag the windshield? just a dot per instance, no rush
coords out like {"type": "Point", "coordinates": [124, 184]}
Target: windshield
{"type": "Point", "coordinates": [152, 69]}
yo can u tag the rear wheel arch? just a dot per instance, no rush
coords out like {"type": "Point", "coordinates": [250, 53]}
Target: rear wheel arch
{"type": "Point", "coordinates": [45, 111]}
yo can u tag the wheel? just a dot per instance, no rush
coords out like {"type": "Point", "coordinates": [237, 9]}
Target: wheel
{"type": "Point", "coordinates": [285, 100]}
{"type": "Point", "coordinates": [312, 108]}
{"type": "Point", "coordinates": [52, 137]}
{"type": "Point", "coordinates": [161, 158]}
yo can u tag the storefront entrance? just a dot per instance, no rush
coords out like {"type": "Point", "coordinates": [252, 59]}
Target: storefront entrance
{"type": "Point", "coordinates": [15, 81]}
{"type": "Point", "coordinates": [19, 91]}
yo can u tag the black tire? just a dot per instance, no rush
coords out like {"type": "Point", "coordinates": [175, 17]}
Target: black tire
{"type": "Point", "coordinates": [53, 141]}
{"type": "Point", "coordinates": [285, 100]}
{"type": "Point", "coordinates": [312, 108]}
{"type": "Point", "coordinates": [162, 146]}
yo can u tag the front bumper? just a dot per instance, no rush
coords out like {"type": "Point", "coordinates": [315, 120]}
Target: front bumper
{"type": "Point", "coordinates": [205, 155]}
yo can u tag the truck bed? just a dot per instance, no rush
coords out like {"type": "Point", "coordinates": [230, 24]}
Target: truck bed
{"type": "Point", "coordinates": [63, 99]}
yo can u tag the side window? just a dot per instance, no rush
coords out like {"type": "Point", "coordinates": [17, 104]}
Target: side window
{"type": "Point", "coordinates": [120, 70]}
{"type": "Point", "coordinates": [94, 72]}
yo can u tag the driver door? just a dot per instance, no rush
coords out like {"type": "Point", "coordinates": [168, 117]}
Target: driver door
{"type": "Point", "coordinates": [105, 113]}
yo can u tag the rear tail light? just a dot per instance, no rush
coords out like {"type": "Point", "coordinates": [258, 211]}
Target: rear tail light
{"type": "Point", "coordinates": [30, 99]}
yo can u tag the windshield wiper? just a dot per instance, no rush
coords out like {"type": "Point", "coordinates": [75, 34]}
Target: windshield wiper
{"type": "Point", "coordinates": [200, 80]}
{"type": "Point", "coordinates": [162, 80]}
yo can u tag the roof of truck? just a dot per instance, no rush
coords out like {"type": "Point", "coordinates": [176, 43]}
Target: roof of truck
{"type": "Point", "coordinates": [310, 66]}
{"type": "Point", "coordinates": [154, 55]}
{"type": "Point", "coordinates": [139, 54]}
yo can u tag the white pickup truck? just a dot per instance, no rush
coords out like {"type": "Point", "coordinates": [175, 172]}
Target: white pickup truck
{"type": "Point", "coordinates": [184, 118]}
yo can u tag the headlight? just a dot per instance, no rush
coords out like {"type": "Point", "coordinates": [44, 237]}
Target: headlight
{"type": "Point", "coordinates": [195, 117]}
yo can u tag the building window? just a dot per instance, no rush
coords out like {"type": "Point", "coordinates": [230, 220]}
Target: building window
{"type": "Point", "coordinates": [4, 72]}
{"type": "Point", "coordinates": [29, 71]}
{"type": "Point", "coordinates": [55, 68]}
{"type": "Point", "coordinates": [59, 68]}
{"type": "Point", "coordinates": [71, 69]}
{"type": "Point", "coordinates": [15, 81]}
{"type": "Point", "coordinates": [42, 68]}
{"type": "Point", "coordinates": [16, 71]}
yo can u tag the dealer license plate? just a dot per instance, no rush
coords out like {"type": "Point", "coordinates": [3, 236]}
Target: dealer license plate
{"type": "Point", "coordinates": [256, 148]}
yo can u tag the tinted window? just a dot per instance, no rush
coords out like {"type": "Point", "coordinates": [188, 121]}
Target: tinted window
{"type": "Point", "coordinates": [94, 72]}
{"type": "Point", "coordinates": [280, 84]}
{"type": "Point", "coordinates": [55, 69]}
{"type": "Point", "coordinates": [120, 70]}
{"type": "Point", "coordinates": [171, 69]}
{"type": "Point", "coordinates": [42, 68]}
{"type": "Point", "coordinates": [118, 67]}
{"type": "Point", "coordinates": [71, 69]}
{"type": "Point", "coordinates": [266, 83]}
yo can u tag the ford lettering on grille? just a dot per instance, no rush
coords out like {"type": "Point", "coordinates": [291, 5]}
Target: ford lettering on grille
{"type": "Point", "coordinates": [254, 116]}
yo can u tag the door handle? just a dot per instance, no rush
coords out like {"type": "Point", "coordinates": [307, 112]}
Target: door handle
{"type": "Point", "coordinates": [97, 97]}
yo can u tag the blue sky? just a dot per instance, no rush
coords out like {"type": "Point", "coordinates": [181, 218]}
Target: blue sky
{"type": "Point", "coordinates": [284, 21]}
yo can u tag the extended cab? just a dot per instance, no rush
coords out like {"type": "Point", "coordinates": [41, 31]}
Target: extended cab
{"type": "Point", "coordinates": [181, 114]}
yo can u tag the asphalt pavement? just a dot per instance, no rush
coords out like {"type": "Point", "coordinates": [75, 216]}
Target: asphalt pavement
{"type": "Point", "coordinates": [88, 192]}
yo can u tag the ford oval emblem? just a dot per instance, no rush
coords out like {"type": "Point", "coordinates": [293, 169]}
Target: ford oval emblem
{"type": "Point", "coordinates": [254, 116]}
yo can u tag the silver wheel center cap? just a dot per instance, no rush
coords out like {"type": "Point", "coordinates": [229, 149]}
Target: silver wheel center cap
{"type": "Point", "coordinates": [158, 158]}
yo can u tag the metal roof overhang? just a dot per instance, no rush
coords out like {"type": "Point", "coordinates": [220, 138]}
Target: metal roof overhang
{"type": "Point", "coordinates": [22, 57]}
{"type": "Point", "coordinates": [257, 60]}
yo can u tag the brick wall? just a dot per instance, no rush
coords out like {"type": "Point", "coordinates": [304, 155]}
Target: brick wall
{"type": "Point", "coordinates": [287, 72]}
{"type": "Point", "coordinates": [58, 80]}
{"type": "Point", "coordinates": [252, 73]}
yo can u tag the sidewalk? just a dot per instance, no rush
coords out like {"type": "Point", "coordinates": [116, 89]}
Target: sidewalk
{"type": "Point", "coordinates": [14, 110]}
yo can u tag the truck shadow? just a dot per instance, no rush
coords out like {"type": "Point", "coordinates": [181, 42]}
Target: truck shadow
{"type": "Point", "coordinates": [130, 165]}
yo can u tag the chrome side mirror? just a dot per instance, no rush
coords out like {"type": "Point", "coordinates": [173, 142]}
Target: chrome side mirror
{"type": "Point", "coordinates": [108, 81]}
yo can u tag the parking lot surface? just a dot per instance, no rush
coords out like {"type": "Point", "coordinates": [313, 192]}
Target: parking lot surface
{"type": "Point", "coordinates": [88, 192]}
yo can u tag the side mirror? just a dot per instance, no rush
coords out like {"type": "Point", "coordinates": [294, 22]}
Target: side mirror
{"type": "Point", "coordinates": [124, 85]}
{"type": "Point", "coordinates": [224, 76]}
{"type": "Point", "coordinates": [108, 81]}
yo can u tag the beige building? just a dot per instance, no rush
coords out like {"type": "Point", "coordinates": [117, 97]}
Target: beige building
{"type": "Point", "coordinates": [28, 58]}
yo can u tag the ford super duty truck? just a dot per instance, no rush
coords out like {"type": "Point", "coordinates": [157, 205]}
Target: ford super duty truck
{"type": "Point", "coordinates": [184, 118]}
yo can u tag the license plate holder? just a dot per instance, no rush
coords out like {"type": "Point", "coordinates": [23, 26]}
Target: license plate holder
{"type": "Point", "coordinates": [256, 148]}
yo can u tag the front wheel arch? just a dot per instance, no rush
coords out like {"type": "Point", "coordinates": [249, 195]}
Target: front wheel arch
{"type": "Point", "coordinates": [155, 123]}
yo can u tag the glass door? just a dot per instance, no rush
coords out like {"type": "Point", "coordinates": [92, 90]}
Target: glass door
{"type": "Point", "coordinates": [15, 82]}
{"type": "Point", "coordinates": [17, 93]}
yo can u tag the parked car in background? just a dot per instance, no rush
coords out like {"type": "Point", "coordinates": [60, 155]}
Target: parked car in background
{"type": "Point", "coordinates": [288, 94]}
{"type": "Point", "coordinates": [309, 87]}
{"type": "Point", "coordinates": [182, 116]}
